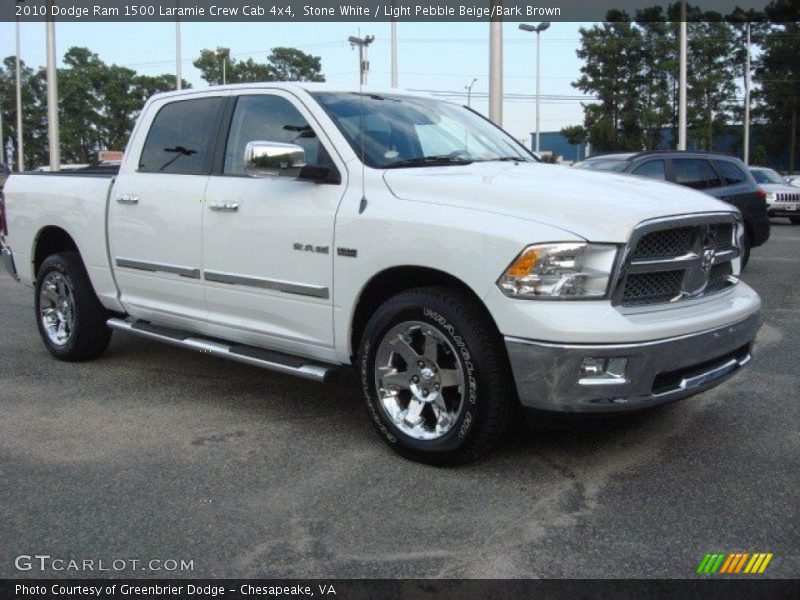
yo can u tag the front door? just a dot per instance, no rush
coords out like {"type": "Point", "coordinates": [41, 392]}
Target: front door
{"type": "Point", "coordinates": [268, 243]}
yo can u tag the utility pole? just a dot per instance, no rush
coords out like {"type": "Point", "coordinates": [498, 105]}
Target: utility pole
{"type": "Point", "coordinates": [537, 30]}
{"type": "Point", "coordinates": [363, 62]}
{"type": "Point", "coordinates": [747, 100]}
{"type": "Point", "coordinates": [178, 73]}
{"type": "Point", "coordinates": [20, 156]}
{"type": "Point", "coordinates": [496, 70]}
{"type": "Point", "coordinates": [394, 49]}
{"type": "Point", "coordinates": [682, 82]}
{"type": "Point", "coordinates": [52, 98]}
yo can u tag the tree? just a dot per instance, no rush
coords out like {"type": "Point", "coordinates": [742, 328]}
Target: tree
{"type": "Point", "coordinates": [98, 105]}
{"type": "Point", "coordinates": [574, 134]}
{"type": "Point", "coordinates": [778, 73]}
{"type": "Point", "coordinates": [283, 64]}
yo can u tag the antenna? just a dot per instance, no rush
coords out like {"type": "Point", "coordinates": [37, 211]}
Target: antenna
{"type": "Point", "coordinates": [363, 68]}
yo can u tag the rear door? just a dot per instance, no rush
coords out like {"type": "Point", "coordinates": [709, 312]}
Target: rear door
{"type": "Point", "coordinates": [156, 209]}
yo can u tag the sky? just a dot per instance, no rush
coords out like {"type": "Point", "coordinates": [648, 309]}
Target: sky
{"type": "Point", "coordinates": [431, 56]}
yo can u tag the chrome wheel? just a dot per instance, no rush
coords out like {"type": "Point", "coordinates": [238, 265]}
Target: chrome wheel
{"type": "Point", "coordinates": [57, 308]}
{"type": "Point", "coordinates": [419, 380]}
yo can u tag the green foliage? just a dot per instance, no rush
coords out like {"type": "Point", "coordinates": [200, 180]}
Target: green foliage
{"type": "Point", "coordinates": [632, 66]}
{"type": "Point", "coordinates": [574, 134]}
{"type": "Point", "coordinates": [98, 106]}
{"type": "Point", "coordinates": [778, 75]}
{"type": "Point", "coordinates": [283, 64]}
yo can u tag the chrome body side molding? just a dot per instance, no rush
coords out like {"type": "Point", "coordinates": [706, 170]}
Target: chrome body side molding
{"type": "Point", "coordinates": [301, 289]}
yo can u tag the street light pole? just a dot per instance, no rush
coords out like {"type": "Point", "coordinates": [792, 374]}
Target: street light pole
{"type": "Point", "coordinates": [537, 30]}
{"type": "Point", "coordinates": [469, 91]}
{"type": "Point", "coordinates": [394, 50]}
{"type": "Point", "coordinates": [747, 101]}
{"type": "Point", "coordinates": [178, 74]}
{"type": "Point", "coordinates": [225, 54]}
{"type": "Point", "coordinates": [496, 71]}
{"type": "Point", "coordinates": [52, 99]}
{"type": "Point", "coordinates": [682, 82]}
{"type": "Point", "coordinates": [363, 63]}
{"type": "Point", "coordinates": [20, 155]}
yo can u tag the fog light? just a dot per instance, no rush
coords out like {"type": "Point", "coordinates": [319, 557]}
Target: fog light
{"type": "Point", "coordinates": [603, 371]}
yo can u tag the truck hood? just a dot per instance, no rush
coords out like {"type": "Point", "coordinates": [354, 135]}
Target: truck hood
{"type": "Point", "coordinates": [778, 188]}
{"type": "Point", "coordinates": [600, 207]}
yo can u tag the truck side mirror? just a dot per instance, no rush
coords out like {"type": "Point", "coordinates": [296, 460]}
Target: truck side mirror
{"type": "Point", "coordinates": [273, 159]}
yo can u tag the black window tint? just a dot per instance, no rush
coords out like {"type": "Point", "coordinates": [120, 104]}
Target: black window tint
{"type": "Point", "coordinates": [654, 169]}
{"type": "Point", "coordinates": [731, 174]}
{"type": "Point", "coordinates": [179, 140]}
{"type": "Point", "coordinates": [267, 119]}
{"type": "Point", "coordinates": [695, 173]}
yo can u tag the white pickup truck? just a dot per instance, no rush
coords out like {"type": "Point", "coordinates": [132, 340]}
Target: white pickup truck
{"type": "Point", "coordinates": [303, 228]}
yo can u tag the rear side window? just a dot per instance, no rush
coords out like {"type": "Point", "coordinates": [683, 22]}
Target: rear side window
{"type": "Point", "coordinates": [731, 174]}
{"type": "Point", "coordinates": [179, 140]}
{"type": "Point", "coordinates": [654, 169]}
{"type": "Point", "coordinates": [695, 173]}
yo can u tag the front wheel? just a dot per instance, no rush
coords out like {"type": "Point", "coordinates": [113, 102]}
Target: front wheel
{"type": "Point", "coordinates": [435, 376]}
{"type": "Point", "coordinates": [71, 320]}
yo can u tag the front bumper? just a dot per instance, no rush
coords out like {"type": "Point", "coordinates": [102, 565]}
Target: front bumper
{"type": "Point", "coordinates": [788, 209]}
{"type": "Point", "coordinates": [8, 259]}
{"type": "Point", "coordinates": [548, 376]}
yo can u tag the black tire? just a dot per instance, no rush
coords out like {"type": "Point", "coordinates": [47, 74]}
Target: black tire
{"type": "Point", "coordinates": [89, 336]}
{"type": "Point", "coordinates": [489, 396]}
{"type": "Point", "coordinates": [795, 220]}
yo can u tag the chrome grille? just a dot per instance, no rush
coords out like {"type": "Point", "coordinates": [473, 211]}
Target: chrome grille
{"type": "Point", "coordinates": [787, 197]}
{"type": "Point", "coordinates": [670, 260]}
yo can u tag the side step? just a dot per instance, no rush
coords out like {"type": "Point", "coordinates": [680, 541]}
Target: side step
{"type": "Point", "coordinates": [250, 355]}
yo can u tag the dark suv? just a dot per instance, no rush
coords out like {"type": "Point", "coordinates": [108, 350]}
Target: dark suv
{"type": "Point", "coordinates": [724, 177]}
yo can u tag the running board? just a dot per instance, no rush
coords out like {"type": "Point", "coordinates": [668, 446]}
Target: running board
{"type": "Point", "coordinates": [249, 355]}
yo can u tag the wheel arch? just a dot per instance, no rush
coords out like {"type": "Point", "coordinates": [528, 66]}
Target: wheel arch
{"type": "Point", "coordinates": [50, 240]}
{"type": "Point", "coordinates": [394, 280]}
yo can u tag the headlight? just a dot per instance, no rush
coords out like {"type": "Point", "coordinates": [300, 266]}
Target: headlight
{"type": "Point", "coordinates": [563, 270]}
{"type": "Point", "coordinates": [770, 197]}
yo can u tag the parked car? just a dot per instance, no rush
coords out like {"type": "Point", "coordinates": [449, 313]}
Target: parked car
{"type": "Point", "coordinates": [793, 180]}
{"type": "Point", "coordinates": [4, 172]}
{"type": "Point", "coordinates": [783, 200]}
{"type": "Point", "coordinates": [304, 228]}
{"type": "Point", "coordinates": [722, 176]}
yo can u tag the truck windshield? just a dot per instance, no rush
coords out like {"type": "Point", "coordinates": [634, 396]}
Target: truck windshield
{"type": "Point", "coordinates": [396, 131]}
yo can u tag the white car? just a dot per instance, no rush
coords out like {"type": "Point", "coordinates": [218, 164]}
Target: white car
{"type": "Point", "coordinates": [783, 199]}
{"type": "Point", "coordinates": [793, 180]}
{"type": "Point", "coordinates": [305, 228]}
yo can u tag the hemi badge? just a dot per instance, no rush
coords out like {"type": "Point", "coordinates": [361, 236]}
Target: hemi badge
{"type": "Point", "coordinates": [351, 252]}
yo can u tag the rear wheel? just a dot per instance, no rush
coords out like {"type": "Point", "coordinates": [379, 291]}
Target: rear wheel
{"type": "Point", "coordinates": [71, 320]}
{"type": "Point", "coordinates": [795, 220]}
{"type": "Point", "coordinates": [745, 248]}
{"type": "Point", "coordinates": [435, 377]}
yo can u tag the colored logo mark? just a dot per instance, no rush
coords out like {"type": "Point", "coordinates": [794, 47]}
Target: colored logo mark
{"type": "Point", "coordinates": [734, 563]}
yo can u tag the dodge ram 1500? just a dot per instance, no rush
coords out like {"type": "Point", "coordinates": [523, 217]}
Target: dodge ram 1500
{"type": "Point", "coordinates": [303, 228]}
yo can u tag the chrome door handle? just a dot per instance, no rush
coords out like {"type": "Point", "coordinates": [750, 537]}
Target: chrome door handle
{"type": "Point", "coordinates": [128, 199]}
{"type": "Point", "coordinates": [225, 207]}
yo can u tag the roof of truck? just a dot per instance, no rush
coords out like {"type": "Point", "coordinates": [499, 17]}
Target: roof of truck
{"type": "Point", "coordinates": [306, 86]}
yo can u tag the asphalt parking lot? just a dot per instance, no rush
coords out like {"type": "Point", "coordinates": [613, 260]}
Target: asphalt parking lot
{"type": "Point", "coordinates": [154, 452]}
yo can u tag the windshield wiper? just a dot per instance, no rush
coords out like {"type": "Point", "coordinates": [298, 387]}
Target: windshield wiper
{"type": "Point", "coordinates": [509, 159]}
{"type": "Point", "coordinates": [429, 161]}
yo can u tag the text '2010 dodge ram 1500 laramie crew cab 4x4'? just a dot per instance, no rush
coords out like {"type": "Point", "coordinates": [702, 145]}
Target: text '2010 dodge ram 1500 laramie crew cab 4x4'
{"type": "Point", "coordinates": [302, 228]}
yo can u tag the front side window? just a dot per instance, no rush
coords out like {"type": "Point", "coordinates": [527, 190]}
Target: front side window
{"type": "Point", "coordinates": [654, 169]}
{"type": "Point", "coordinates": [695, 173]}
{"type": "Point", "coordinates": [731, 173]}
{"type": "Point", "coordinates": [265, 118]}
{"type": "Point", "coordinates": [392, 131]}
{"type": "Point", "coordinates": [179, 140]}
